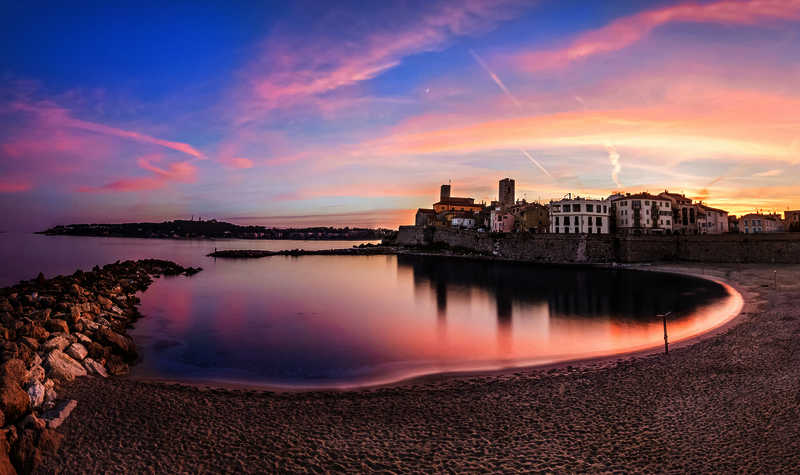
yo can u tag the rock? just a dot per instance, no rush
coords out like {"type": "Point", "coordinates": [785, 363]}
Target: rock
{"type": "Point", "coordinates": [77, 351]}
{"type": "Point", "coordinates": [39, 332]}
{"type": "Point", "coordinates": [33, 422]}
{"type": "Point", "coordinates": [36, 392]}
{"type": "Point", "coordinates": [119, 344]}
{"type": "Point", "coordinates": [36, 373]}
{"type": "Point", "coordinates": [62, 367]}
{"type": "Point", "coordinates": [50, 397]}
{"type": "Point", "coordinates": [116, 366]}
{"type": "Point", "coordinates": [89, 325]}
{"type": "Point", "coordinates": [14, 402]}
{"type": "Point", "coordinates": [13, 370]}
{"type": "Point", "coordinates": [75, 313]}
{"type": "Point", "coordinates": [25, 455]}
{"type": "Point", "coordinates": [104, 302]}
{"type": "Point", "coordinates": [82, 338]}
{"type": "Point", "coordinates": [6, 468]}
{"type": "Point", "coordinates": [57, 325]}
{"type": "Point", "coordinates": [94, 367]}
{"type": "Point", "coordinates": [32, 342]}
{"type": "Point", "coordinates": [56, 416]}
{"type": "Point", "coordinates": [56, 343]}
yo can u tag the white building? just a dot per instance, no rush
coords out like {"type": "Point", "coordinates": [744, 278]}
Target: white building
{"type": "Point", "coordinates": [466, 222]}
{"type": "Point", "coordinates": [642, 213]}
{"type": "Point", "coordinates": [580, 215]}
{"type": "Point", "coordinates": [711, 220]}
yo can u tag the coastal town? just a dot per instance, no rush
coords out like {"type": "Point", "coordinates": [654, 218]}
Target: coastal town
{"type": "Point", "coordinates": [642, 213]}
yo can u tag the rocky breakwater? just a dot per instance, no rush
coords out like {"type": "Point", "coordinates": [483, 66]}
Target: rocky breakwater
{"type": "Point", "coordinates": [53, 331]}
{"type": "Point", "coordinates": [362, 250]}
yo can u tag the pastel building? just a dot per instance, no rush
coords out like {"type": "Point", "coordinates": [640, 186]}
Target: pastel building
{"type": "Point", "coordinates": [755, 223]}
{"type": "Point", "coordinates": [791, 221]}
{"type": "Point", "coordinates": [642, 213]}
{"type": "Point", "coordinates": [684, 213]}
{"type": "Point", "coordinates": [712, 220]}
{"type": "Point", "coordinates": [580, 215]}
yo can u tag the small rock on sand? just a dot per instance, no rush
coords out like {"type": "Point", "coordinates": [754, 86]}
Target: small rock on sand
{"type": "Point", "coordinates": [56, 416]}
{"type": "Point", "coordinates": [62, 367]}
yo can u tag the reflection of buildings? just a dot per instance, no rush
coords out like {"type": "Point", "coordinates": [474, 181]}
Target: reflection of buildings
{"type": "Point", "coordinates": [626, 295]}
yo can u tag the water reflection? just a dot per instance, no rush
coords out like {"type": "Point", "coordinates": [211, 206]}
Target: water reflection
{"type": "Point", "coordinates": [333, 320]}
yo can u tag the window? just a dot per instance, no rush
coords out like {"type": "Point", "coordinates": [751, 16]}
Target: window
{"type": "Point", "coordinates": [590, 208]}
{"type": "Point", "coordinates": [576, 208]}
{"type": "Point", "coordinates": [647, 203]}
{"type": "Point", "coordinates": [605, 210]}
{"type": "Point", "coordinates": [599, 220]}
{"type": "Point", "coordinates": [556, 220]}
{"type": "Point", "coordinates": [589, 230]}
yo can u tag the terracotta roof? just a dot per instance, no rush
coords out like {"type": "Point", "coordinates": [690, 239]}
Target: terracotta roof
{"type": "Point", "coordinates": [644, 196]}
{"type": "Point", "coordinates": [676, 196]}
{"type": "Point", "coordinates": [456, 201]}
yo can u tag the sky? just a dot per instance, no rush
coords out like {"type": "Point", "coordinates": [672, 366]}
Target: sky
{"type": "Point", "coordinates": [351, 113]}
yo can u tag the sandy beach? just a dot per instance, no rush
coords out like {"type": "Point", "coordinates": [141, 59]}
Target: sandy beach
{"type": "Point", "coordinates": [728, 402]}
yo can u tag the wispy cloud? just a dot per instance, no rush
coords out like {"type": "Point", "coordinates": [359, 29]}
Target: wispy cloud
{"type": "Point", "coordinates": [182, 172]}
{"type": "Point", "coordinates": [628, 30]}
{"type": "Point", "coordinates": [767, 173]}
{"type": "Point", "coordinates": [297, 70]}
{"type": "Point", "coordinates": [616, 167]}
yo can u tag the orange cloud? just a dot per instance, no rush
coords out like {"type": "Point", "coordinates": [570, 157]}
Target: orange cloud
{"type": "Point", "coordinates": [628, 30]}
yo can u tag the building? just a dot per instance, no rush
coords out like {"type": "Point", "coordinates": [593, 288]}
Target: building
{"type": "Point", "coordinates": [502, 220]}
{"type": "Point", "coordinates": [755, 223]}
{"type": "Point", "coordinates": [450, 203]}
{"type": "Point", "coordinates": [642, 213]}
{"type": "Point", "coordinates": [532, 218]}
{"type": "Point", "coordinates": [425, 217]}
{"type": "Point", "coordinates": [791, 221]}
{"type": "Point", "coordinates": [463, 220]}
{"type": "Point", "coordinates": [714, 221]}
{"type": "Point", "coordinates": [506, 192]}
{"type": "Point", "coordinates": [580, 215]}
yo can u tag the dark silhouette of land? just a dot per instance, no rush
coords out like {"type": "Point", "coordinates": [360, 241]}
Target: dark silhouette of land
{"type": "Point", "coordinates": [213, 229]}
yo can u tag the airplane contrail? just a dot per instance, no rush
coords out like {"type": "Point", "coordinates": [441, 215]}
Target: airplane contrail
{"type": "Point", "coordinates": [495, 78]}
{"type": "Point", "coordinates": [535, 162]}
{"type": "Point", "coordinates": [508, 93]}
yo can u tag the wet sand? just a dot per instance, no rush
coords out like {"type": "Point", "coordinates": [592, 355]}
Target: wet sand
{"type": "Point", "coordinates": [729, 402]}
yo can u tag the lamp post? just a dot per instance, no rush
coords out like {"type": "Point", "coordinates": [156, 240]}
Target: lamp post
{"type": "Point", "coordinates": [666, 341]}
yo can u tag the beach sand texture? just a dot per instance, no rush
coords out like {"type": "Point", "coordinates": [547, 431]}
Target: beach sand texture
{"type": "Point", "coordinates": [730, 402]}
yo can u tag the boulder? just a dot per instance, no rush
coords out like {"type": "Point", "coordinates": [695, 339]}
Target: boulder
{"type": "Point", "coordinates": [14, 402]}
{"type": "Point", "coordinates": [32, 342]}
{"type": "Point", "coordinates": [62, 367]}
{"type": "Point", "coordinates": [119, 344]}
{"type": "Point", "coordinates": [36, 373]}
{"type": "Point", "coordinates": [57, 325]}
{"type": "Point", "coordinates": [77, 351]}
{"type": "Point", "coordinates": [85, 340]}
{"type": "Point", "coordinates": [104, 302]}
{"type": "Point", "coordinates": [36, 392]}
{"type": "Point", "coordinates": [116, 366]}
{"type": "Point", "coordinates": [56, 343]}
{"type": "Point", "coordinates": [94, 367]}
{"type": "Point", "coordinates": [6, 468]}
{"type": "Point", "coordinates": [74, 313]}
{"type": "Point", "coordinates": [33, 422]}
{"type": "Point", "coordinates": [56, 416]}
{"type": "Point", "coordinates": [25, 455]}
{"type": "Point", "coordinates": [13, 370]}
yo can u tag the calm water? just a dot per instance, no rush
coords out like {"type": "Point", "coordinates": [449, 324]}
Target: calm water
{"type": "Point", "coordinates": [349, 320]}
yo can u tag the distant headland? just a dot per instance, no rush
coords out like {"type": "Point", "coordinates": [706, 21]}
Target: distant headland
{"type": "Point", "coordinates": [213, 229]}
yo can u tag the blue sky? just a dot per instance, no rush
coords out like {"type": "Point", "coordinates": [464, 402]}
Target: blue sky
{"type": "Point", "coordinates": [335, 113]}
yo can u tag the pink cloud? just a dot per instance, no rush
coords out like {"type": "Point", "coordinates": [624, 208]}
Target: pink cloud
{"type": "Point", "coordinates": [180, 172]}
{"type": "Point", "coordinates": [58, 117]}
{"type": "Point", "coordinates": [294, 71]}
{"type": "Point", "coordinates": [626, 31]}
{"type": "Point", "coordinates": [8, 186]}
{"type": "Point", "coordinates": [238, 163]}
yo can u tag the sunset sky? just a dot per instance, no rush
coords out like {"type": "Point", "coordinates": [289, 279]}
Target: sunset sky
{"type": "Point", "coordinates": [300, 113]}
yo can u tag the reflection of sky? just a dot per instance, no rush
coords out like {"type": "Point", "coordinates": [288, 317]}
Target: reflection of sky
{"type": "Point", "coordinates": [322, 319]}
{"type": "Point", "coordinates": [337, 113]}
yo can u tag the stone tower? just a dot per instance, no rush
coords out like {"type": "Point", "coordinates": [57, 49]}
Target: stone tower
{"type": "Point", "coordinates": [507, 192]}
{"type": "Point", "coordinates": [444, 195]}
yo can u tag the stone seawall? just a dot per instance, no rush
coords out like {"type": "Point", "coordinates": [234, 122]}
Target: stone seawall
{"type": "Point", "coordinates": [588, 248]}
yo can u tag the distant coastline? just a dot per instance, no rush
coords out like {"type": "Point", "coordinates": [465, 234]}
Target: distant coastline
{"type": "Point", "coordinates": [213, 229]}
